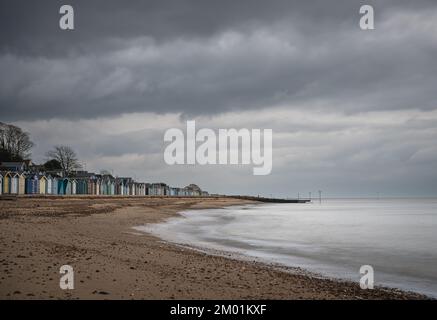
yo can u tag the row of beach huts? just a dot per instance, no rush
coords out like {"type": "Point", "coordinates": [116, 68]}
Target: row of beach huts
{"type": "Point", "coordinates": [86, 183]}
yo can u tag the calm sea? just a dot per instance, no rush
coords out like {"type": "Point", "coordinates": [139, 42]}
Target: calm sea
{"type": "Point", "coordinates": [397, 237]}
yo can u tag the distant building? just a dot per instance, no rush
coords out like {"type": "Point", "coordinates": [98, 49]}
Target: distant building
{"type": "Point", "coordinates": [193, 190]}
{"type": "Point", "coordinates": [14, 166]}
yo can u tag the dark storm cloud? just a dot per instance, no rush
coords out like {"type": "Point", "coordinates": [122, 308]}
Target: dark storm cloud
{"type": "Point", "coordinates": [207, 57]}
{"type": "Point", "coordinates": [32, 27]}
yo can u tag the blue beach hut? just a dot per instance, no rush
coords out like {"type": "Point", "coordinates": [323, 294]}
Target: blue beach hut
{"type": "Point", "coordinates": [32, 184]}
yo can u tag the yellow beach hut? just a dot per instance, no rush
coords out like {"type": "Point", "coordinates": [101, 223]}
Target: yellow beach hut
{"type": "Point", "coordinates": [21, 183]}
{"type": "Point", "coordinates": [42, 181]}
{"type": "Point", "coordinates": [7, 183]}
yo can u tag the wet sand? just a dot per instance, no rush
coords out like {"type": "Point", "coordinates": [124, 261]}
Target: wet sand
{"type": "Point", "coordinates": [112, 261]}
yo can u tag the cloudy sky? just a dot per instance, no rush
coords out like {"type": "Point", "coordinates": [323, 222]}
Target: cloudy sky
{"type": "Point", "coordinates": [353, 112]}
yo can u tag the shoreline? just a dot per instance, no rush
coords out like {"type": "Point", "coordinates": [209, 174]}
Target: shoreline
{"type": "Point", "coordinates": [112, 261]}
{"type": "Point", "coordinates": [295, 270]}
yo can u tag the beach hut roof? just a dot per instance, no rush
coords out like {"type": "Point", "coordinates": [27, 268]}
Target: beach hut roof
{"type": "Point", "coordinates": [19, 175]}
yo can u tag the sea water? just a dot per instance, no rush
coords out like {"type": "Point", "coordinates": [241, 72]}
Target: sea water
{"type": "Point", "coordinates": [397, 237]}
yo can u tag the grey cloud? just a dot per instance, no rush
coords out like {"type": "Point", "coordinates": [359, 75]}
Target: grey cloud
{"type": "Point", "coordinates": [201, 57]}
{"type": "Point", "coordinates": [31, 27]}
{"type": "Point", "coordinates": [391, 153]}
{"type": "Point", "coordinates": [303, 68]}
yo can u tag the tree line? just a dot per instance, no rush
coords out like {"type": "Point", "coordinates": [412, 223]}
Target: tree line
{"type": "Point", "coordinates": [15, 145]}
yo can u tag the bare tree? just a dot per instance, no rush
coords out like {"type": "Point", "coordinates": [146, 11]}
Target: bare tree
{"type": "Point", "coordinates": [66, 157]}
{"type": "Point", "coordinates": [15, 144]}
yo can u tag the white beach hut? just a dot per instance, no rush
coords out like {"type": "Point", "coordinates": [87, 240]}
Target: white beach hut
{"type": "Point", "coordinates": [14, 183]}
{"type": "Point", "coordinates": [73, 186]}
{"type": "Point", "coordinates": [49, 184]}
{"type": "Point", "coordinates": [55, 185]}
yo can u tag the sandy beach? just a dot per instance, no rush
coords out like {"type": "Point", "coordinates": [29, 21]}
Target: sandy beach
{"type": "Point", "coordinates": [112, 261]}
